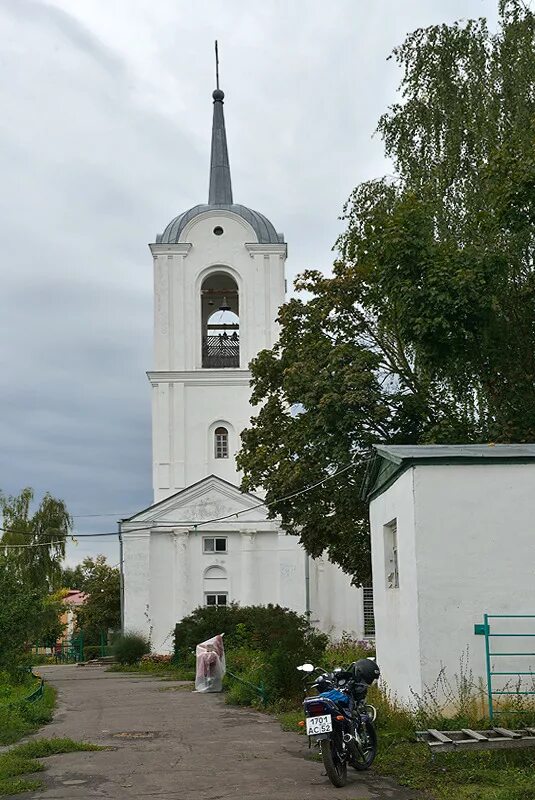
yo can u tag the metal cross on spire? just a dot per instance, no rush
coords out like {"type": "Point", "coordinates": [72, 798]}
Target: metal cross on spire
{"type": "Point", "coordinates": [216, 65]}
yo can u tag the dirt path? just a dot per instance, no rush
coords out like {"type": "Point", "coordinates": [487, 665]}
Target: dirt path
{"type": "Point", "coordinates": [174, 744]}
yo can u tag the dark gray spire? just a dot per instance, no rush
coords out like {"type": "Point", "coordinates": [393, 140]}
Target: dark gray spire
{"type": "Point", "coordinates": [220, 192]}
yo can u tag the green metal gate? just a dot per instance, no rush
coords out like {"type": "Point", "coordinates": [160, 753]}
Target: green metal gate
{"type": "Point", "coordinates": [72, 649]}
{"type": "Point", "coordinates": [520, 673]}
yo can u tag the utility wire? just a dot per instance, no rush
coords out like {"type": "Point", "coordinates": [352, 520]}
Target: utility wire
{"type": "Point", "coordinates": [192, 525]}
{"type": "Point", "coordinates": [72, 535]}
{"type": "Point", "coordinates": [196, 525]}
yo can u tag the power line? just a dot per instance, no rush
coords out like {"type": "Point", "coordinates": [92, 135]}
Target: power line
{"type": "Point", "coordinates": [75, 535]}
{"type": "Point", "coordinates": [265, 504]}
{"type": "Point", "coordinates": [86, 516]}
{"type": "Point", "coordinates": [193, 525]}
{"type": "Point", "coordinates": [30, 544]}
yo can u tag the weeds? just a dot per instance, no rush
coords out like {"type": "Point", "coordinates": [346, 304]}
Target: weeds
{"type": "Point", "coordinates": [22, 761]}
{"type": "Point", "coordinates": [18, 717]}
{"type": "Point", "coordinates": [346, 650]}
{"type": "Point", "coordinates": [446, 705]}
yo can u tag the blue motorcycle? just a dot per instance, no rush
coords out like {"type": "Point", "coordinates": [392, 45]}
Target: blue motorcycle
{"type": "Point", "coordinates": [338, 719]}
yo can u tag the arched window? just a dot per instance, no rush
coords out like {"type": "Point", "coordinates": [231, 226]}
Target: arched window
{"type": "Point", "coordinates": [220, 321]}
{"type": "Point", "coordinates": [216, 589]}
{"type": "Point", "coordinates": [221, 443]}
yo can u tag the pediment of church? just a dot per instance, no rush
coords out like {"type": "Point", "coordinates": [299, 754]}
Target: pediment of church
{"type": "Point", "coordinates": [208, 499]}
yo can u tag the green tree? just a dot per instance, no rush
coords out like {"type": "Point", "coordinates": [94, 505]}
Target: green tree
{"type": "Point", "coordinates": [36, 541]}
{"type": "Point", "coordinates": [27, 614]}
{"type": "Point", "coordinates": [73, 577]}
{"type": "Point", "coordinates": [426, 330]}
{"type": "Point", "coordinates": [101, 611]}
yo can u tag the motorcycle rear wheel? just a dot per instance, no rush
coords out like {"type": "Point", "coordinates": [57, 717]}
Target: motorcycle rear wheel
{"type": "Point", "coordinates": [363, 757]}
{"type": "Point", "coordinates": [335, 767]}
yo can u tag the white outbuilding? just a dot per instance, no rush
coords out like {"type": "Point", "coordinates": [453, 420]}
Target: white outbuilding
{"type": "Point", "coordinates": [453, 538]}
{"type": "Point", "coordinates": [219, 280]}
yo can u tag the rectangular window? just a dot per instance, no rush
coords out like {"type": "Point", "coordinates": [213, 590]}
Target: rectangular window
{"type": "Point", "coordinates": [367, 607]}
{"type": "Point", "coordinates": [391, 555]}
{"type": "Point", "coordinates": [221, 443]}
{"type": "Point", "coordinates": [219, 599]}
{"type": "Point", "coordinates": [214, 544]}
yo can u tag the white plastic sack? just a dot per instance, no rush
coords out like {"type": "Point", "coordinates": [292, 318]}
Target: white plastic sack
{"type": "Point", "coordinates": [210, 658]}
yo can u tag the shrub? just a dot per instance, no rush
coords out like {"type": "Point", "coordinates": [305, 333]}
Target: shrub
{"type": "Point", "coordinates": [155, 658]}
{"type": "Point", "coordinates": [281, 638]}
{"type": "Point", "coordinates": [130, 648]}
{"type": "Point", "coordinates": [346, 650]}
{"type": "Point", "coordinates": [93, 651]}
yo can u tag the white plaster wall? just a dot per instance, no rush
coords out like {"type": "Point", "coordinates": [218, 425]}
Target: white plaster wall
{"type": "Point", "coordinates": [263, 565]}
{"type": "Point", "coordinates": [189, 409]}
{"type": "Point", "coordinates": [136, 575]}
{"type": "Point", "coordinates": [397, 633]}
{"type": "Point", "coordinates": [164, 570]}
{"type": "Point", "coordinates": [188, 399]}
{"type": "Point", "coordinates": [336, 606]}
{"type": "Point", "coordinates": [475, 553]}
{"type": "Point", "coordinates": [177, 584]}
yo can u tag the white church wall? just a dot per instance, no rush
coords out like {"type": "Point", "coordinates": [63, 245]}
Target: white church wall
{"type": "Point", "coordinates": [257, 269]}
{"type": "Point", "coordinates": [257, 569]}
{"type": "Point", "coordinates": [397, 630]}
{"type": "Point", "coordinates": [336, 605]}
{"type": "Point", "coordinates": [137, 582]}
{"type": "Point", "coordinates": [166, 579]}
{"type": "Point", "coordinates": [165, 573]}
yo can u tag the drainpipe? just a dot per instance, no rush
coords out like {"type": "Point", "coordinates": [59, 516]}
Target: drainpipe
{"type": "Point", "coordinates": [307, 587]}
{"type": "Point", "coordinates": [121, 591]}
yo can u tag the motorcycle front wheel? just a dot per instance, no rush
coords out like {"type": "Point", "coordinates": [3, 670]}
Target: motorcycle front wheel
{"type": "Point", "coordinates": [364, 753]}
{"type": "Point", "coordinates": [335, 767]}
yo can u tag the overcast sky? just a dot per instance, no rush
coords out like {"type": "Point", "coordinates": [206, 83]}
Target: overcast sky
{"type": "Point", "coordinates": [104, 137]}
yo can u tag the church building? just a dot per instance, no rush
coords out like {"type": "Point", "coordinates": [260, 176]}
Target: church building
{"type": "Point", "coordinates": [218, 285]}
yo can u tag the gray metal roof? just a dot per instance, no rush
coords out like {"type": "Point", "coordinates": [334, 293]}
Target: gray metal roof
{"type": "Point", "coordinates": [265, 232]}
{"type": "Point", "coordinates": [426, 452]}
{"type": "Point", "coordinates": [220, 191]}
{"type": "Point", "coordinates": [392, 460]}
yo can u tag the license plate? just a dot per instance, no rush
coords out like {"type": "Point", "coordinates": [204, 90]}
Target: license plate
{"type": "Point", "coordinates": [315, 725]}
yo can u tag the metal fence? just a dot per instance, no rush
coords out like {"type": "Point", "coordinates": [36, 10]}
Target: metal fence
{"type": "Point", "coordinates": [221, 351]}
{"type": "Point", "coordinates": [492, 651]}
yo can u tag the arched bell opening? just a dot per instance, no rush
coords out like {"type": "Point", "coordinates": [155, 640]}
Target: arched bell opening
{"type": "Point", "coordinates": [220, 322]}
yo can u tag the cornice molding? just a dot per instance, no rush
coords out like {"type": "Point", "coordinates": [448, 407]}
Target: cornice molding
{"type": "Point", "coordinates": [267, 249]}
{"type": "Point", "coordinates": [198, 377]}
{"type": "Point", "coordinates": [180, 249]}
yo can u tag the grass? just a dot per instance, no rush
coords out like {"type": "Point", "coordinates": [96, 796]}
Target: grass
{"type": "Point", "coordinates": [166, 670]}
{"type": "Point", "coordinates": [480, 775]}
{"type": "Point", "coordinates": [477, 775]}
{"type": "Point", "coordinates": [19, 718]}
{"type": "Point", "coordinates": [21, 761]}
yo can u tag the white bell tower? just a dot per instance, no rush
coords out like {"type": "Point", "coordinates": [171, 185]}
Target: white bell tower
{"type": "Point", "coordinates": [218, 285]}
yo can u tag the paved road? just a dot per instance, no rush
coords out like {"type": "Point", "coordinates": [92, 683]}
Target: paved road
{"type": "Point", "coordinates": [172, 744]}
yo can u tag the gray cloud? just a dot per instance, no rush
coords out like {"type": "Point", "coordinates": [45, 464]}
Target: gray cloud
{"type": "Point", "coordinates": [104, 137]}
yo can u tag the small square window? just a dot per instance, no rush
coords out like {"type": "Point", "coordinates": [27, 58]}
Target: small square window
{"type": "Point", "coordinates": [217, 600]}
{"type": "Point", "coordinates": [212, 544]}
